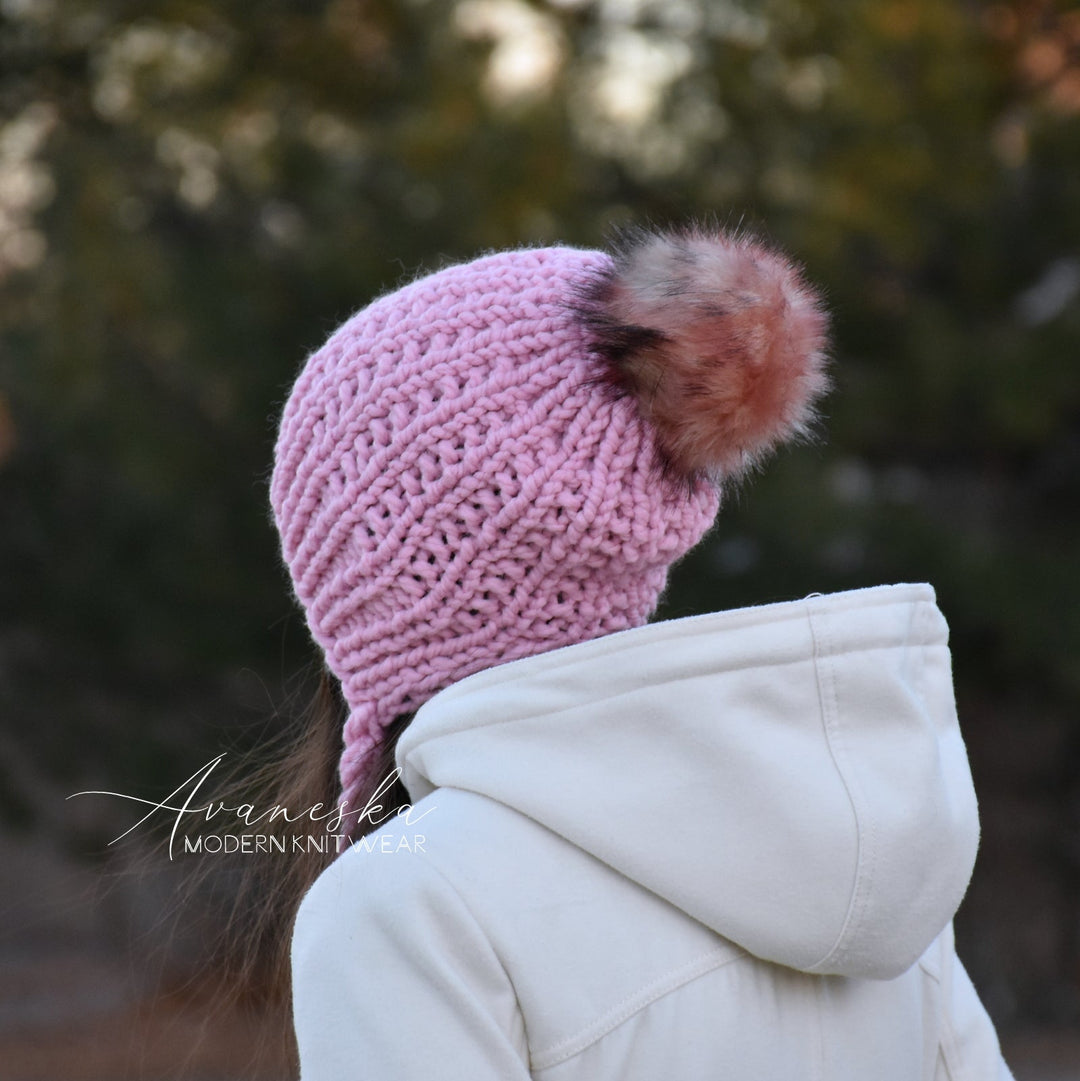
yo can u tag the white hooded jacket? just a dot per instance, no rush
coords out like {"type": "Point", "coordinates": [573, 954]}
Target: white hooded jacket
{"type": "Point", "coordinates": [724, 847]}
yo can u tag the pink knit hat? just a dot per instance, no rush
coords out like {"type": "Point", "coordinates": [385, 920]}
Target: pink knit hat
{"type": "Point", "coordinates": [507, 456]}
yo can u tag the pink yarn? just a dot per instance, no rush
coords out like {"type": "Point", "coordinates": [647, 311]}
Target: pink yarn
{"type": "Point", "coordinates": [454, 490]}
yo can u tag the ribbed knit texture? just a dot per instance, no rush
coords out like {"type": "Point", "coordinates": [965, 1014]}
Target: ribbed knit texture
{"type": "Point", "coordinates": [454, 488]}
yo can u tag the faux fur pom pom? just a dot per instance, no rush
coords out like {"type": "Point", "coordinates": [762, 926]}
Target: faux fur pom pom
{"type": "Point", "coordinates": [719, 339]}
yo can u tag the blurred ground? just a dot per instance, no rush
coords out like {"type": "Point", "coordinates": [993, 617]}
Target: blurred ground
{"type": "Point", "coordinates": [73, 1017]}
{"type": "Point", "coordinates": [93, 985]}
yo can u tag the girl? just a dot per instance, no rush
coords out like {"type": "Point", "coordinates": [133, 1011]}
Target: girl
{"type": "Point", "coordinates": [729, 846]}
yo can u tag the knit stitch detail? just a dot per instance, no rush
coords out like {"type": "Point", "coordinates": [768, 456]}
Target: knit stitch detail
{"type": "Point", "coordinates": [453, 490]}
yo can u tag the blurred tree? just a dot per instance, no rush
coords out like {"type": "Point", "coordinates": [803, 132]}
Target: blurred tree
{"type": "Point", "coordinates": [194, 192]}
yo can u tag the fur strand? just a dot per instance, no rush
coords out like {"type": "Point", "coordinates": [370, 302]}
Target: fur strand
{"type": "Point", "coordinates": [718, 338]}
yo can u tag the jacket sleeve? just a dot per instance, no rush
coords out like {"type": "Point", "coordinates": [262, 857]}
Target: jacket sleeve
{"type": "Point", "coordinates": [394, 978]}
{"type": "Point", "coordinates": [969, 1044]}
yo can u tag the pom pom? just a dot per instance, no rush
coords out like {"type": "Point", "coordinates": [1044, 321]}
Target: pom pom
{"type": "Point", "coordinates": [720, 341]}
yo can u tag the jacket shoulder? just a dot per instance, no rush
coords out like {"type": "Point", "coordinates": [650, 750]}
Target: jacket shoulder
{"type": "Point", "coordinates": [584, 945]}
{"type": "Point", "coordinates": [384, 945]}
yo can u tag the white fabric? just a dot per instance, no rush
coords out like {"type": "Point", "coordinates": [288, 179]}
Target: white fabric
{"type": "Point", "coordinates": [722, 847]}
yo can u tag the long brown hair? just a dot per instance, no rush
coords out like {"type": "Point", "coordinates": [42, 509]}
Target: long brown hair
{"type": "Point", "coordinates": [297, 773]}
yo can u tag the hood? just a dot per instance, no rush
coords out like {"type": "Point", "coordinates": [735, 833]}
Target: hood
{"type": "Point", "coordinates": [791, 775]}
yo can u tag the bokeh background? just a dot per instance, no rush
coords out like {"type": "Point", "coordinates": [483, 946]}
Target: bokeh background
{"type": "Point", "coordinates": [193, 193]}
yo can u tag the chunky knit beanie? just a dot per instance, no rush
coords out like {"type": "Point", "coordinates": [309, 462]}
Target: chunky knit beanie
{"type": "Point", "coordinates": [507, 456]}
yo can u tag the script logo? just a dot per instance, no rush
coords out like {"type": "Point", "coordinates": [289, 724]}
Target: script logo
{"type": "Point", "coordinates": [180, 803]}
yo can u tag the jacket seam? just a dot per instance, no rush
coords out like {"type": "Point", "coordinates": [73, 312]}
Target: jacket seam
{"type": "Point", "coordinates": [949, 1053]}
{"type": "Point", "coordinates": [927, 971]}
{"type": "Point", "coordinates": [864, 847]}
{"type": "Point", "coordinates": [634, 1003]}
{"type": "Point", "coordinates": [487, 938]}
